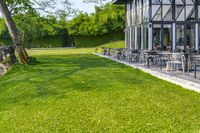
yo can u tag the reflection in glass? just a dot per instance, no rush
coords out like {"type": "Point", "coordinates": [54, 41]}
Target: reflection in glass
{"type": "Point", "coordinates": [167, 37]}
{"type": "Point", "coordinates": [157, 37]}
{"type": "Point", "coordinates": [180, 39]}
{"type": "Point", "coordinates": [133, 38]}
{"type": "Point", "coordinates": [139, 37]}
{"type": "Point", "coordinates": [145, 37]}
{"type": "Point", "coordinates": [190, 36]}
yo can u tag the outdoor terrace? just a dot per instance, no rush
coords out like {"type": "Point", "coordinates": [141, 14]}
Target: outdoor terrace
{"type": "Point", "coordinates": [151, 62]}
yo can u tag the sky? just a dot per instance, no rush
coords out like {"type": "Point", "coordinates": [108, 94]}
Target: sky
{"type": "Point", "coordinates": [85, 7]}
{"type": "Point", "coordinates": [81, 6]}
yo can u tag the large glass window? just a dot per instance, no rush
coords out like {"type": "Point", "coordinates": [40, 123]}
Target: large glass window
{"type": "Point", "coordinates": [127, 32]}
{"type": "Point", "coordinates": [133, 12]}
{"type": "Point", "coordinates": [128, 13]}
{"type": "Point", "coordinates": [185, 36]}
{"type": "Point", "coordinates": [168, 15]}
{"type": "Point", "coordinates": [139, 37]}
{"type": "Point", "coordinates": [139, 12]}
{"type": "Point", "coordinates": [157, 36]}
{"type": "Point", "coordinates": [133, 38]}
{"type": "Point", "coordinates": [180, 37]}
{"type": "Point", "coordinates": [199, 11]}
{"type": "Point", "coordinates": [185, 10]}
{"type": "Point", "coordinates": [145, 36]}
{"type": "Point", "coordinates": [157, 16]}
{"type": "Point", "coordinates": [145, 12]}
{"type": "Point", "coordinates": [190, 36]}
{"type": "Point", "coordinates": [167, 37]}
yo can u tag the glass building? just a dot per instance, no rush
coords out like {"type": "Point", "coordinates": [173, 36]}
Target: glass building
{"type": "Point", "coordinates": [163, 24]}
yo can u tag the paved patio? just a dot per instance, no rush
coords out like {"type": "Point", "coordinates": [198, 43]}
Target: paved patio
{"type": "Point", "coordinates": [176, 77]}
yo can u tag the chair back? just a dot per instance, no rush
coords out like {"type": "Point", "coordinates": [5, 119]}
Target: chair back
{"type": "Point", "coordinates": [195, 58]}
{"type": "Point", "coordinates": [178, 57]}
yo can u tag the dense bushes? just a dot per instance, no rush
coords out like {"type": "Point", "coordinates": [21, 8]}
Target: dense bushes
{"type": "Point", "coordinates": [103, 26]}
{"type": "Point", "coordinates": [44, 42]}
{"type": "Point", "coordinates": [106, 19]}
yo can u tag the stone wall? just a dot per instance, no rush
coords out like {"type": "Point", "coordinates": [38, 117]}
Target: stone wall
{"type": "Point", "coordinates": [7, 58]}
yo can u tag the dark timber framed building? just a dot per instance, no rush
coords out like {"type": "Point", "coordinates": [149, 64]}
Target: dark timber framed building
{"type": "Point", "coordinates": [167, 24]}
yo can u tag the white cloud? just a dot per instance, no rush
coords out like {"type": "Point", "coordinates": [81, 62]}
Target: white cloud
{"type": "Point", "coordinates": [85, 7]}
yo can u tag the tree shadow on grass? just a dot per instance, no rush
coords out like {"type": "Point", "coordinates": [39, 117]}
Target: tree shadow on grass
{"type": "Point", "coordinates": [41, 77]}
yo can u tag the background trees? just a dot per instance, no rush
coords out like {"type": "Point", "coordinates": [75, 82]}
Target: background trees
{"type": "Point", "coordinates": [107, 18]}
{"type": "Point", "coordinates": [53, 28]}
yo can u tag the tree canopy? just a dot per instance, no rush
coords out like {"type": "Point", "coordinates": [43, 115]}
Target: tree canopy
{"type": "Point", "coordinates": [32, 25]}
{"type": "Point", "coordinates": [106, 18]}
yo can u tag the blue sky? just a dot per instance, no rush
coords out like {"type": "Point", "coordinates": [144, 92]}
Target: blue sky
{"type": "Point", "coordinates": [89, 8]}
{"type": "Point", "coordinates": [81, 6]}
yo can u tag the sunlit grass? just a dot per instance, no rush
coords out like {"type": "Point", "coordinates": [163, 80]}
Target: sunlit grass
{"type": "Point", "coordinates": [69, 92]}
{"type": "Point", "coordinates": [117, 44]}
{"type": "Point", "coordinates": [67, 51]}
{"type": "Point", "coordinates": [60, 51]}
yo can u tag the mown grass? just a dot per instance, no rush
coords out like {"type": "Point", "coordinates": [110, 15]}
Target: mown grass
{"type": "Point", "coordinates": [81, 92]}
{"type": "Point", "coordinates": [117, 44]}
{"type": "Point", "coordinates": [67, 51]}
{"type": "Point", "coordinates": [60, 51]}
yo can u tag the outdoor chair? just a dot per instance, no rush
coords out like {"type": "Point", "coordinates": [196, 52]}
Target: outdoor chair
{"type": "Point", "coordinates": [193, 62]}
{"type": "Point", "coordinates": [108, 51]}
{"type": "Point", "coordinates": [177, 59]}
{"type": "Point", "coordinates": [118, 53]}
{"type": "Point", "coordinates": [143, 57]}
{"type": "Point", "coordinates": [103, 51]}
{"type": "Point", "coordinates": [112, 52]}
{"type": "Point", "coordinates": [163, 58]}
{"type": "Point", "coordinates": [148, 56]}
{"type": "Point", "coordinates": [123, 54]}
{"type": "Point", "coordinates": [134, 55]}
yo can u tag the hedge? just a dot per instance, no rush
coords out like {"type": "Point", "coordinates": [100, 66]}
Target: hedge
{"type": "Point", "coordinates": [93, 41]}
{"type": "Point", "coordinates": [78, 41]}
{"type": "Point", "coordinates": [45, 42]}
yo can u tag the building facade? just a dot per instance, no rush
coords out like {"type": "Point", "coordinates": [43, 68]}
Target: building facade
{"type": "Point", "coordinates": [162, 24]}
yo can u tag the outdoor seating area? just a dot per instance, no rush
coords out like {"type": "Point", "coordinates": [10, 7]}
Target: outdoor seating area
{"type": "Point", "coordinates": [183, 63]}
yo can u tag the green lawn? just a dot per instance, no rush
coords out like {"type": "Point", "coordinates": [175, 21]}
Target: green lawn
{"type": "Point", "coordinates": [69, 92]}
{"type": "Point", "coordinates": [118, 44]}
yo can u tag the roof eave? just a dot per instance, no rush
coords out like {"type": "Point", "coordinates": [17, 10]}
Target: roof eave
{"type": "Point", "coordinates": [118, 1]}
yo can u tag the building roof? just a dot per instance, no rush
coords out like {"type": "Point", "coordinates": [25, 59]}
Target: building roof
{"type": "Point", "coordinates": [119, 1]}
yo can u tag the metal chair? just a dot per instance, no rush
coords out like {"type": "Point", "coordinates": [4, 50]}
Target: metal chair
{"type": "Point", "coordinates": [193, 61]}
{"type": "Point", "coordinates": [143, 57]}
{"type": "Point", "coordinates": [177, 59]}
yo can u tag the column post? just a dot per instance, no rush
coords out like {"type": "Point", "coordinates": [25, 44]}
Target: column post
{"type": "Point", "coordinates": [142, 37]}
{"type": "Point", "coordinates": [150, 34]}
{"type": "Point", "coordinates": [136, 45]}
{"type": "Point", "coordinates": [196, 36]}
{"type": "Point", "coordinates": [125, 38]}
{"type": "Point", "coordinates": [173, 36]}
{"type": "Point", "coordinates": [130, 38]}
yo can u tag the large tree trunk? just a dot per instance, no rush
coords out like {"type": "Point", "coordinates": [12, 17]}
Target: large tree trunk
{"type": "Point", "coordinates": [13, 32]}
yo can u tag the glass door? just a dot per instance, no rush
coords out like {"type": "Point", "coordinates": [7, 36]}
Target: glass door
{"type": "Point", "coordinates": [189, 36]}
